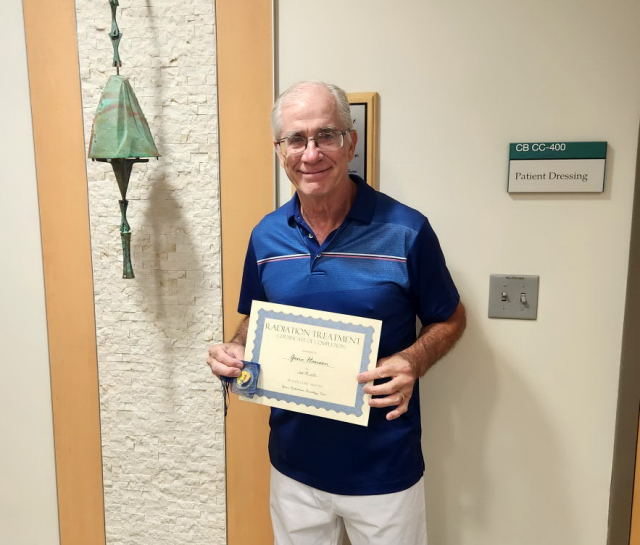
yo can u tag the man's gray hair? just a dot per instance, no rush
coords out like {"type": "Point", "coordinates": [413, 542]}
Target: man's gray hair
{"type": "Point", "coordinates": [295, 91]}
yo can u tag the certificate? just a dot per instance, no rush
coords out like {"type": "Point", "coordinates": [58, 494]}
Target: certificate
{"type": "Point", "coordinates": [309, 360]}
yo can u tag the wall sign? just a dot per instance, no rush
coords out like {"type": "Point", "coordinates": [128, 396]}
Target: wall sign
{"type": "Point", "coordinates": [557, 167]}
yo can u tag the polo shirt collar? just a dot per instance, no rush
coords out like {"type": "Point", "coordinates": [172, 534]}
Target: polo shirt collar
{"type": "Point", "coordinates": [362, 208]}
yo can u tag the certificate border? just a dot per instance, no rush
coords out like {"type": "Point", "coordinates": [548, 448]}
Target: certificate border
{"type": "Point", "coordinates": [367, 331]}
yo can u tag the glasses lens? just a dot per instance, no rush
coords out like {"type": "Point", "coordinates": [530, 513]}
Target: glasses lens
{"type": "Point", "coordinates": [295, 143]}
{"type": "Point", "coordinates": [326, 140]}
{"type": "Point", "coordinates": [329, 140]}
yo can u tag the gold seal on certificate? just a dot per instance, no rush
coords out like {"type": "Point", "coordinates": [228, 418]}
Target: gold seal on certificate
{"type": "Point", "coordinates": [309, 360]}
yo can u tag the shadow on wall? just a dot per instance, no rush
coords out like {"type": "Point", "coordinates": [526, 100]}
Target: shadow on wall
{"type": "Point", "coordinates": [484, 436]}
{"type": "Point", "coordinates": [168, 257]}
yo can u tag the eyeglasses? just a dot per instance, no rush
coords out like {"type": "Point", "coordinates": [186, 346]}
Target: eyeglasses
{"type": "Point", "coordinates": [325, 139]}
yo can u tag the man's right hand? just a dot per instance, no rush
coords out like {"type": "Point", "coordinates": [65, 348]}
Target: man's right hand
{"type": "Point", "coordinates": [225, 359]}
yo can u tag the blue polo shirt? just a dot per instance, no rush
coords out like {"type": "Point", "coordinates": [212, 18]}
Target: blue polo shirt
{"type": "Point", "coordinates": [383, 262]}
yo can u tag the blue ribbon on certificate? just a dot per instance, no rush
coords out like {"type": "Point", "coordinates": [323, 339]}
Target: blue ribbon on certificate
{"type": "Point", "coordinates": [246, 384]}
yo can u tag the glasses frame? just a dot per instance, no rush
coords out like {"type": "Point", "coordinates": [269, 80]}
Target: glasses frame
{"type": "Point", "coordinates": [342, 134]}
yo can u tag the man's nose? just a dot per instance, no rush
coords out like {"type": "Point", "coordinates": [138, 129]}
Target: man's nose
{"type": "Point", "coordinates": [311, 152]}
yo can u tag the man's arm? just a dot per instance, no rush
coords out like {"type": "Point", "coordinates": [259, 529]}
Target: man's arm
{"type": "Point", "coordinates": [225, 359]}
{"type": "Point", "coordinates": [406, 366]}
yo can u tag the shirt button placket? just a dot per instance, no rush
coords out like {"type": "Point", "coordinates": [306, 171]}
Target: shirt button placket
{"type": "Point", "coordinates": [314, 249]}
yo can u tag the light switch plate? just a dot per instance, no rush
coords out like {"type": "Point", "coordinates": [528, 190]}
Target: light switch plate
{"type": "Point", "coordinates": [513, 296]}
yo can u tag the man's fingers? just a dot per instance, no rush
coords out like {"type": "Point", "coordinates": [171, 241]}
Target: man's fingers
{"type": "Point", "coordinates": [387, 367]}
{"type": "Point", "coordinates": [224, 370]}
{"type": "Point", "coordinates": [381, 389]}
{"type": "Point", "coordinates": [394, 393]}
{"type": "Point", "coordinates": [401, 408]}
{"type": "Point", "coordinates": [399, 401]}
{"type": "Point", "coordinates": [223, 362]}
{"type": "Point", "coordinates": [374, 374]}
{"type": "Point", "coordinates": [396, 384]}
{"type": "Point", "coordinates": [398, 411]}
{"type": "Point", "coordinates": [367, 376]}
{"type": "Point", "coordinates": [394, 399]}
{"type": "Point", "coordinates": [224, 354]}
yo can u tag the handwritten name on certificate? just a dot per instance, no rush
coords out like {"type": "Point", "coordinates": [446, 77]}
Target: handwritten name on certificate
{"type": "Point", "coordinates": [309, 360]}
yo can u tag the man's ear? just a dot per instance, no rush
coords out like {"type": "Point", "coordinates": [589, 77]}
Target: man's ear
{"type": "Point", "coordinates": [354, 140]}
{"type": "Point", "coordinates": [280, 155]}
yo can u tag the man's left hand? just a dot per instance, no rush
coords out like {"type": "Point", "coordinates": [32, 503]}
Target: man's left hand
{"type": "Point", "coordinates": [397, 391]}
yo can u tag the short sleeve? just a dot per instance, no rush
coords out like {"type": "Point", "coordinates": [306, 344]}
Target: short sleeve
{"type": "Point", "coordinates": [434, 293]}
{"type": "Point", "coordinates": [251, 284]}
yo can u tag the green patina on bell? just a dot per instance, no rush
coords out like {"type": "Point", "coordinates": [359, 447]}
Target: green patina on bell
{"type": "Point", "coordinates": [120, 130]}
{"type": "Point", "coordinates": [120, 135]}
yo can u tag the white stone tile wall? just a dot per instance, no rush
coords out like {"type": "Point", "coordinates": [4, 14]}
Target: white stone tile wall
{"type": "Point", "coordinates": [162, 427]}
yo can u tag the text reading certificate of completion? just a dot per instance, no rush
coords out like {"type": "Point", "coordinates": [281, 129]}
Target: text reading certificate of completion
{"type": "Point", "coordinates": [309, 360]}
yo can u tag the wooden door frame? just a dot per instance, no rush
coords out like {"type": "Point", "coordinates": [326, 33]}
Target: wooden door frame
{"type": "Point", "coordinates": [56, 108]}
{"type": "Point", "coordinates": [247, 192]}
{"type": "Point", "coordinates": [634, 533]}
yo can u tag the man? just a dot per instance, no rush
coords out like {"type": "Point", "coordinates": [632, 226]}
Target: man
{"type": "Point", "coordinates": [341, 246]}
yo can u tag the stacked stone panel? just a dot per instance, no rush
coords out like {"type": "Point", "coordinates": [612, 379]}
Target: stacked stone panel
{"type": "Point", "coordinates": [162, 427]}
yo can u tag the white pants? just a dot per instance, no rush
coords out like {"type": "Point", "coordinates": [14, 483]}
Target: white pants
{"type": "Point", "coordinates": [302, 515]}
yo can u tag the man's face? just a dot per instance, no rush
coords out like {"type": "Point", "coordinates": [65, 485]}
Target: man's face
{"type": "Point", "coordinates": [315, 173]}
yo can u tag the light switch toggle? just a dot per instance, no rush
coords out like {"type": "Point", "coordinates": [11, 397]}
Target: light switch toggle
{"type": "Point", "coordinates": [513, 296]}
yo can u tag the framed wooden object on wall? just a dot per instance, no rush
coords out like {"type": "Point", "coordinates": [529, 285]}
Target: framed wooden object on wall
{"type": "Point", "coordinates": [364, 111]}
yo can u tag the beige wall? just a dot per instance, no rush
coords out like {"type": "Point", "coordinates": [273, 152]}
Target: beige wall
{"type": "Point", "coordinates": [519, 419]}
{"type": "Point", "coordinates": [28, 511]}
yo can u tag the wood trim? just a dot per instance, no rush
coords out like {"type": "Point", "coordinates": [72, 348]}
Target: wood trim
{"type": "Point", "coordinates": [371, 99]}
{"type": "Point", "coordinates": [247, 192]}
{"type": "Point", "coordinates": [56, 106]}
{"type": "Point", "coordinates": [635, 506]}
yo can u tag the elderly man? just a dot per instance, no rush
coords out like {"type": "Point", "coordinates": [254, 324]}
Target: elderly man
{"type": "Point", "coordinates": [338, 245]}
